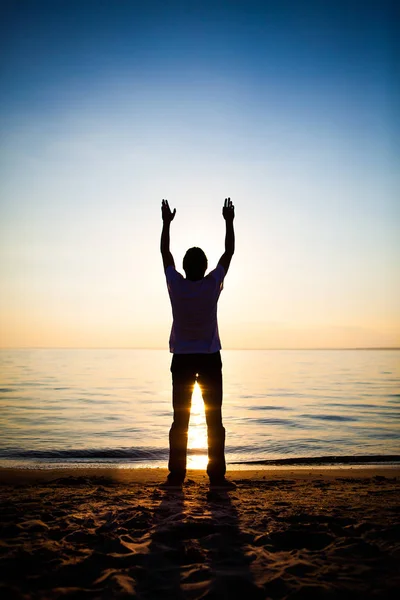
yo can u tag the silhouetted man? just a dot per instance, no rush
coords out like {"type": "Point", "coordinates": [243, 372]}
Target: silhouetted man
{"type": "Point", "coordinates": [195, 345]}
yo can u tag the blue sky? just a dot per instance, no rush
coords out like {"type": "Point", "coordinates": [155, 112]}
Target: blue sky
{"type": "Point", "coordinates": [287, 107]}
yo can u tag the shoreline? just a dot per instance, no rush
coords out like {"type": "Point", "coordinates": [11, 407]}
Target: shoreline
{"type": "Point", "coordinates": [154, 476]}
{"type": "Point", "coordinates": [327, 461]}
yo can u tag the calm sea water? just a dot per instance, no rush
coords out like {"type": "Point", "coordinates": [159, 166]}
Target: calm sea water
{"type": "Point", "coordinates": [114, 406]}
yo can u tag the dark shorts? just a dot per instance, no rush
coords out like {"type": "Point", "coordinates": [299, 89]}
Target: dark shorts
{"type": "Point", "coordinates": [196, 366]}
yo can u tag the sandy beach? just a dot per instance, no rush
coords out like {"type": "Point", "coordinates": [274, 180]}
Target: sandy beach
{"type": "Point", "coordinates": [283, 533]}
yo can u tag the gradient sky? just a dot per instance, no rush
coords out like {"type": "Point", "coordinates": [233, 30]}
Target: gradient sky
{"type": "Point", "coordinates": [287, 107]}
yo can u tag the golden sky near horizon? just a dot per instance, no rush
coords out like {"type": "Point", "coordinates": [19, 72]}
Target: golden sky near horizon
{"type": "Point", "coordinates": [118, 298]}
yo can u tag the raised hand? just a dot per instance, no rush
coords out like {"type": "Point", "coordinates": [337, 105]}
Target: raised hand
{"type": "Point", "coordinates": [166, 213]}
{"type": "Point", "coordinates": [228, 210]}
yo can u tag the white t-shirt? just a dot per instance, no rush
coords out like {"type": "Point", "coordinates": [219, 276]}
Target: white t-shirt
{"type": "Point", "coordinates": [194, 310]}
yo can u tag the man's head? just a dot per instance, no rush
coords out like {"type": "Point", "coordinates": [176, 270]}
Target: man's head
{"type": "Point", "coordinates": [195, 264]}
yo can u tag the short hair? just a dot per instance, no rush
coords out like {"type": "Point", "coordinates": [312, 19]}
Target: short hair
{"type": "Point", "coordinates": [195, 263]}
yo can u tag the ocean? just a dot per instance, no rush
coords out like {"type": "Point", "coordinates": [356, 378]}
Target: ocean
{"type": "Point", "coordinates": [67, 407]}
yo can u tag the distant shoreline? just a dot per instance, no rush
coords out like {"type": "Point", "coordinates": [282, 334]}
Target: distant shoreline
{"type": "Point", "coordinates": [322, 349]}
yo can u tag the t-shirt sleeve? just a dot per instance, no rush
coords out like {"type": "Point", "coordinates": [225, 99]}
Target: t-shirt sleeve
{"type": "Point", "coordinates": [172, 275]}
{"type": "Point", "coordinates": [218, 274]}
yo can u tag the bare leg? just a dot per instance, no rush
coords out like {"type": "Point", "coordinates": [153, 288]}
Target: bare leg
{"type": "Point", "coordinates": [211, 386]}
{"type": "Point", "coordinates": [182, 389]}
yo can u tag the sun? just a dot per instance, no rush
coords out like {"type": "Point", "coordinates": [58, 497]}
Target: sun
{"type": "Point", "coordinates": [197, 435]}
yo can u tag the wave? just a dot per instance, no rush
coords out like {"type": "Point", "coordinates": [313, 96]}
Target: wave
{"type": "Point", "coordinates": [327, 460]}
{"type": "Point", "coordinates": [131, 454]}
{"type": "Point", "coordinates": [149, 454]}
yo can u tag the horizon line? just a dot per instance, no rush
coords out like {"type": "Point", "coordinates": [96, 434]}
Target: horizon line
{"type": "Point", "coordinates": [223, 349]}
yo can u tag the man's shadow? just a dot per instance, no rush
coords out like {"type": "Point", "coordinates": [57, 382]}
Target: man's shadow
{"type": "Point", "coordinates": [232, 577]}
{"type": "Point", "coordinates": [161, 577]}
{"type": "Point", "coordinates": [220, 560]}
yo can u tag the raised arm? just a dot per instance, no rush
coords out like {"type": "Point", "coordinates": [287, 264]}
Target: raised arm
{"type": "Point", "coordinates": [228, 212]}
{"type": "Point", "coordinates": [167, 217]}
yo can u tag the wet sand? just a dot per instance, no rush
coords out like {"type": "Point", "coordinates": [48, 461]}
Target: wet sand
{"type": "Point", "coordinates": [283, 533]}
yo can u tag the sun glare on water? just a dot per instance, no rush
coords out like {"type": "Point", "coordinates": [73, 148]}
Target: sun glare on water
{"type": "Point", "coordinates": [197, 435]}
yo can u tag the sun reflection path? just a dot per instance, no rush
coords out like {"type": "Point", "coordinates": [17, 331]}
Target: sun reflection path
{"type": "Point", "coordinates": [197, 435]}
